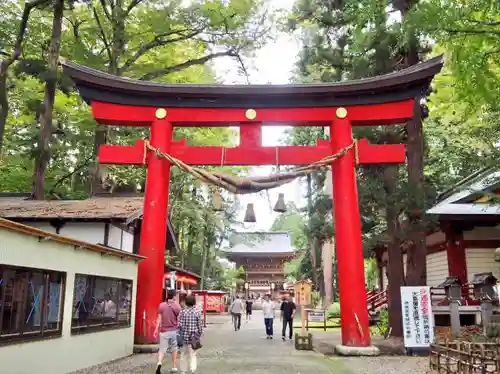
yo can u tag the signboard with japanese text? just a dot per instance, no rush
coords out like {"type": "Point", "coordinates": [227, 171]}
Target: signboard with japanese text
{"type": "Point", "coordinates": [418, 321]}
{"type": "Point", "coordinates": [316, 316]}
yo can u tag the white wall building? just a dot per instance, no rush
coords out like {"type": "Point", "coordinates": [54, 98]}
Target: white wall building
{"type": "Point", "coordinates": [62, 301]}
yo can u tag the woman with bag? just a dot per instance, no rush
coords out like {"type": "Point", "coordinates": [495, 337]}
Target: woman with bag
{"type": "Point", "coordinates": [191, 329]}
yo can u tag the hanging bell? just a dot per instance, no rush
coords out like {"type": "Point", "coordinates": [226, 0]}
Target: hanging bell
{"type": "Point", "coordinates": [280, 206]}
{"type": "Point", "coordinates": [217, 203]}
{"type": "Point", "coordinates": [249, 214]}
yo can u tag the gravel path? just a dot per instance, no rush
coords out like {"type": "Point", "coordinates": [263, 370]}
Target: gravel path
{"type": "Point", "coordinates": [325, 342]}
{"type": "Point", "coordinates": [248, 352]}
{"type": "Point", "coordinates": [243, 352]}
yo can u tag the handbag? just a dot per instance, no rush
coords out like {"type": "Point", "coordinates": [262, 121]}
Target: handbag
{"type": "Point", "coordinates": [195, 343]}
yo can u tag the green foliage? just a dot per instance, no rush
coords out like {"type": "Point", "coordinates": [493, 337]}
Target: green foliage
{"type": "Point", "coordinates": [371, 273]}
{"type": "Point", "coordinates": [293, 222]}
{"type": "Point", "coordinates": [333, 311]}
{"type": "Point", "coordinates": [383, 325]}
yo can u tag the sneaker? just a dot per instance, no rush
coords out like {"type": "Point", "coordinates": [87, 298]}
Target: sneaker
{"type": "Point", "coordinates": [283, 338]}
{"type": "Point", "coordinates": [271, 337]}
{"type": "Point", "coordinates": [158, 369]}
{"type": "Point", "coordinates": [268, 337]}
{"type": "Point", "coordinates": [174, 370]}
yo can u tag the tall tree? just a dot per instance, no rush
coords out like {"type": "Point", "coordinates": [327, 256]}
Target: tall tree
{"type": "Point", "coordinates": [9, 58]}
{"type": "Point", "coordinates": [215, 29]}
{"type": "Point", "coordinates": [43, 153]}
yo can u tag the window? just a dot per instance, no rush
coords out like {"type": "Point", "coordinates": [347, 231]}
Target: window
{"type": "Point", "coordinates": [31, 303]}
{"type": "Point", "coordinates": [100, 303]}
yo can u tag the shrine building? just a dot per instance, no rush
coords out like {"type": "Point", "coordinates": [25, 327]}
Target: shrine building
{"type": "Point", "coordinates": [262, 255]}
{"type": "Point", "coordinates": [463, 248]}
{"type": "Point", "coordinates": [467, 236]}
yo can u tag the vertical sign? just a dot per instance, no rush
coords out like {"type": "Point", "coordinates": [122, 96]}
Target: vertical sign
{"type": "Point", "coordinates": [418, 321]}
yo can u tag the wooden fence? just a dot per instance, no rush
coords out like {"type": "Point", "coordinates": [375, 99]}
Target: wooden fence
{"type": "Point", "coordinates": [465, 358]}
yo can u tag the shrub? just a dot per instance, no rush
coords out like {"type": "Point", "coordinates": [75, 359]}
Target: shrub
{"type": "Point", "coordinates": [383, 322]}
{"type": "Point", "coordinates": [334, 311]}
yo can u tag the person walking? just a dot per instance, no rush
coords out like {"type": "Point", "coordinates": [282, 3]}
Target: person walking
{"type": "Point", "coordinates": [287, 313]}
{"type": "Point", "coordinates": [236, 311]}
{"type": "Point", "coordinates": [268, 311]}
{"type": "Point", "coordinates": [167, 325]}
{"type": "Point", "coordinates": [190, 329]}
{"type": "Point", "coordinates": [249, 307]}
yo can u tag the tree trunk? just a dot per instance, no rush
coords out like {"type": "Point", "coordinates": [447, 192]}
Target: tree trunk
{"type": "Point", "coordinates": [204, 255]}
{"type": "Point", "coordinates": [312, 241]}
{"type": "Point", "coordinates": [116, 49]}
{"type": "Point", "coordinates": [395, 265]}
{"type": "Point", "coordinates": [45, 135]}
{"type": "Point", "coordinates": [4, 104]}
{"type": "Point", "coordinates": [416, 267]}
{"type": "Point", "coordinates": [327, 260]}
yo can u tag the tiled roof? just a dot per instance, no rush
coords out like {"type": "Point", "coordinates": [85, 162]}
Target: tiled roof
{"type": "Point", "coordinates": [260, 242]}
{"type": "Point", "coordinates": [32, 231]}
{"type": "Point", "coordinates": [95, 208]}
{"type": "Point", "coordinates": [455, 202]}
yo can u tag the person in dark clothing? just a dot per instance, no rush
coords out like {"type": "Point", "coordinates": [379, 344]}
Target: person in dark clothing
{"type": "Point", "coordinates": [287, 313]}
{"type": "Point", "coordinates": [249, 307]}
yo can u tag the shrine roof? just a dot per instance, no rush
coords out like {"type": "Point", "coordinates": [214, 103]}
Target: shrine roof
{"type": "Point", "coordinates": [248, 243]}
{"type": "Point", "coordinates": [169, 267]}
{"type": "Point", "coordinates": [471, 196]}
{"type": "Point", "coordinates": [95, 85]}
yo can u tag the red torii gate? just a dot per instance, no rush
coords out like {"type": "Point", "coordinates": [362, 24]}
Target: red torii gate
{"type": "Point", "coordinates": [382, 100]}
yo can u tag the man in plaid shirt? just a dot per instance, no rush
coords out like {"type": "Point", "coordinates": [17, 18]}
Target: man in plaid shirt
{"type": "Point", "coordinates": [191, 329]}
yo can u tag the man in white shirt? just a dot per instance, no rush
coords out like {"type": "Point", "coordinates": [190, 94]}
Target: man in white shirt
{"type": "Point", "coordinates": [268, 311]}
{"type": "Point", "coordinates": [236, 311]}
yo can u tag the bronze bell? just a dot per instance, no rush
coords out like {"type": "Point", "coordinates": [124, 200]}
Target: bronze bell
{"type": "Point", "coordinates": [217, 203]}
{"type": "Point", "coordinates": [249, 214]}
{"type": "Point", "coordinates": [280, 206]}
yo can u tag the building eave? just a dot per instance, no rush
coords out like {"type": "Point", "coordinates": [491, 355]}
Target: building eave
{"type": "Point", "coordinates": [44, 235]}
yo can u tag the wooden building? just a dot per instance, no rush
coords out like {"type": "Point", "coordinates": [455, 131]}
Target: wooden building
{"type": "Point", "coordinates": [183, 280]}
{"type": "Point", "coordinates": [467, 235]}
{"type": "Point", "coordinates": [62, 301]}
{"type": "Point", "coordinates": [262, 255]}
{"type": "Point", "coordinates": [110, 220]}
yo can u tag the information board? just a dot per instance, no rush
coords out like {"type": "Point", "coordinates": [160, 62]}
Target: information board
{"type": "Point", "coordinates": [418, 320]}
{"type": "Point", "coordinates": [316, 316]}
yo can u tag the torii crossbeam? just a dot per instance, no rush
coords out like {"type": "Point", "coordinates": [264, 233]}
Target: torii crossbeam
{"type": "Point", "coordinates": [382, 100]}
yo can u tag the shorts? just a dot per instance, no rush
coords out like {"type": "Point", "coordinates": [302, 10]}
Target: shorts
{"type": "Point", "coordinates": [168, 341]}
{"type": "Point", "coordinates": [249, 312]}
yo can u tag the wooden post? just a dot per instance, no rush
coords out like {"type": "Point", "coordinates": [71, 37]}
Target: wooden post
{"type": "Point", "coordinates": [303, 320]}
{"type": "Point", "coordinates": [455, 318]}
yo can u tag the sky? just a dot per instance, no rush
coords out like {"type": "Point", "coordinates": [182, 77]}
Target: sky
{"type": "Point", "coordinates": [272, 64]}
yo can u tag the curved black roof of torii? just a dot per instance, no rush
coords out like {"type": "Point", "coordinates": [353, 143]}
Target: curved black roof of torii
{"type": "Point", "coordinates": [95, 85]}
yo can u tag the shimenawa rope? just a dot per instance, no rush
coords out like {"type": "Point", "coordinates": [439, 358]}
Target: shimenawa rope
{"type": "Point", "coordinates": [246, 185]}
